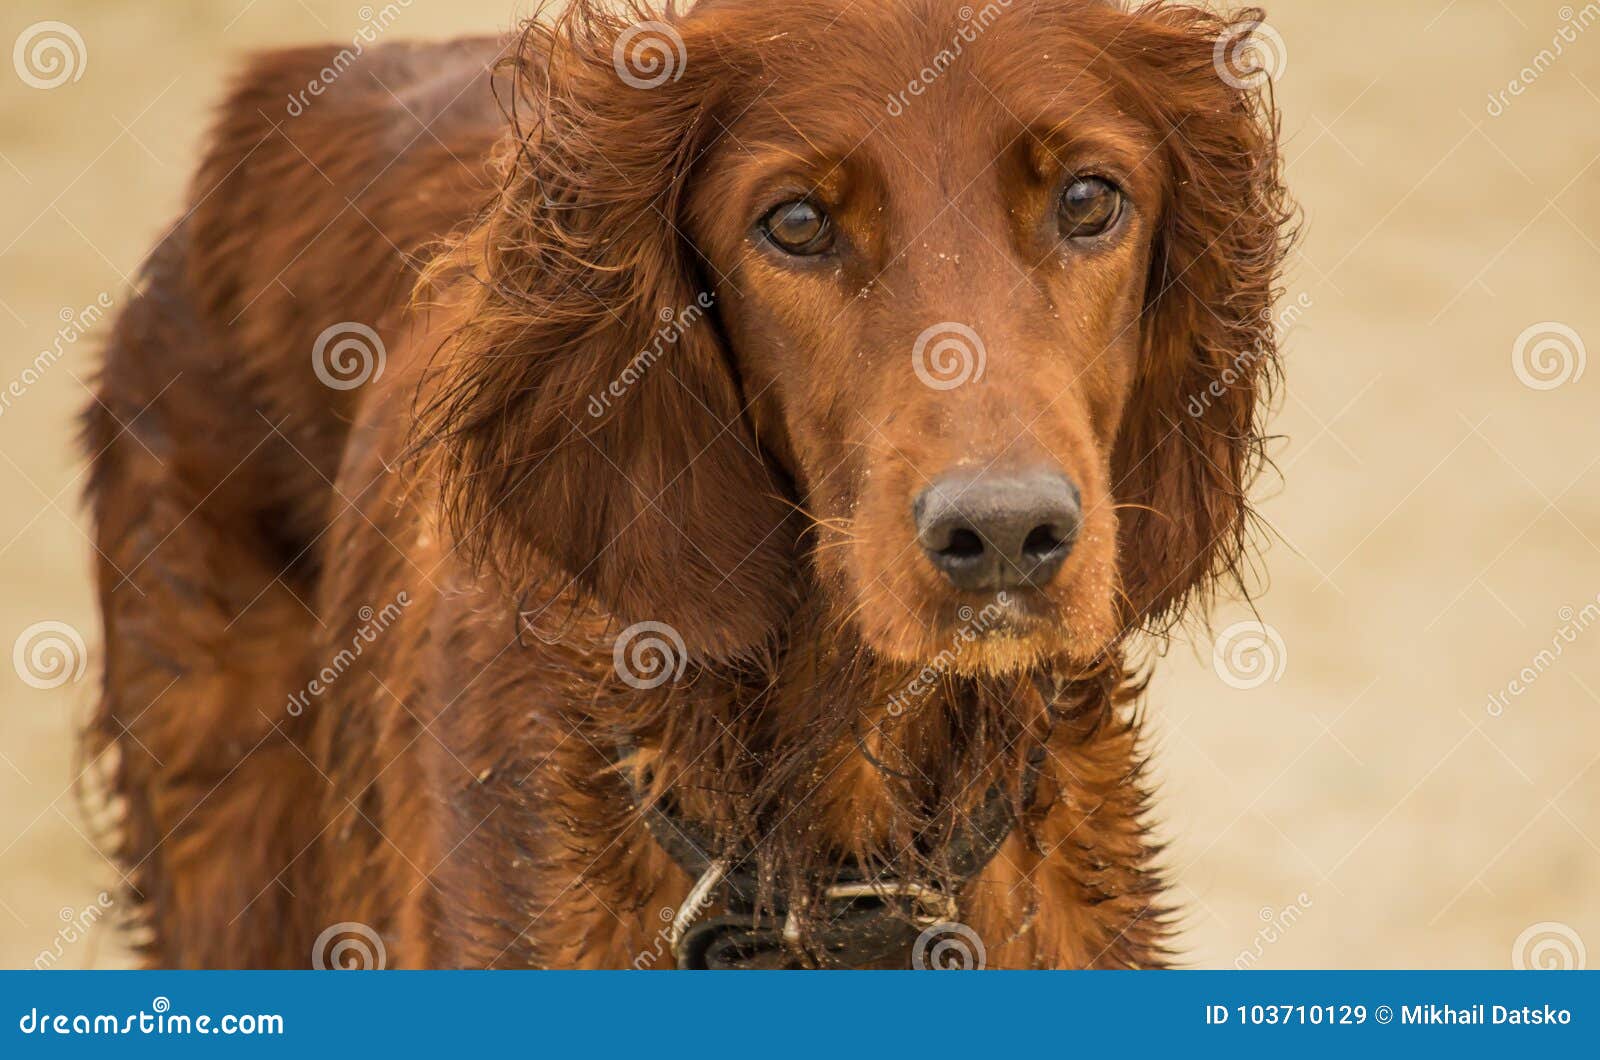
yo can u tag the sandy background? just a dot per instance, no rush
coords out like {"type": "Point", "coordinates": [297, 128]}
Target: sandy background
{"type": "Point", "coordinates": [1439, 518]}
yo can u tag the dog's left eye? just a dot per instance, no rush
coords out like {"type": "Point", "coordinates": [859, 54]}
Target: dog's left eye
{"type": "Point", "coordinates": [800, 227]}
{"type": "Point", "coordinates": [1090, 206]}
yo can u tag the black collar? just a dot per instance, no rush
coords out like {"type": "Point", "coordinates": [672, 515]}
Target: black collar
{"type": "Point", "coordinates": [867, 922]}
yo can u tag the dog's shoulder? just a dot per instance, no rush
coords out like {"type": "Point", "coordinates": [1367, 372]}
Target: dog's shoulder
{"type": "Point", "coordinates": [328, 171]}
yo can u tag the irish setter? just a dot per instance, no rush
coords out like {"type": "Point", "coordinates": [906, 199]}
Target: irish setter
{"type": "Point", "coordinates": [679, 487]}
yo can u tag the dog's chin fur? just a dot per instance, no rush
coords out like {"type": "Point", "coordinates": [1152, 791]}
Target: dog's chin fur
{"type": "Point", "coordinates": [1014, 646]}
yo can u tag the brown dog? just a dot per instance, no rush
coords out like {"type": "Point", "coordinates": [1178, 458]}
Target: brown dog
{"type": "Point", "coordinates": [800, 407]}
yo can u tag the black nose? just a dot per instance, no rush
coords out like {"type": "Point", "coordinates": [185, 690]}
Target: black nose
{"type": "Point", "coordinates": [999, 530]}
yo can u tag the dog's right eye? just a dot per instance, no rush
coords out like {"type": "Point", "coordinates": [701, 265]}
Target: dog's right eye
{"type": "Point", "coordinates": [800, 227]}
{"type": "Point", "coordinates": [1090, 206]}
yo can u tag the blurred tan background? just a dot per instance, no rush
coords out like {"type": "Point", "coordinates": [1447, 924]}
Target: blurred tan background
{"type": "Point", "coordinates": [1358, 784]}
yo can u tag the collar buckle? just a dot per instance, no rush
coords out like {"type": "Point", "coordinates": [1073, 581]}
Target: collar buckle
{"type": "Point", "coordinates": [929, 904]}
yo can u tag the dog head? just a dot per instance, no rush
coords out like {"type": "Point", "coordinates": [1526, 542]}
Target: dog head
{"type": "Point", "coordinates": [955, 316]}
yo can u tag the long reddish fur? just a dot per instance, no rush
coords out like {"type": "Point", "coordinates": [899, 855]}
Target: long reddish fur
{"type": "Point", "coordinates": [454, 787]}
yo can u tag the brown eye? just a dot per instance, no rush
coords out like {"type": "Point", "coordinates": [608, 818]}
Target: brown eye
{"type": "Point", "coordinates": [1090, 207]}
{"type": "Point", "coordinates": [799, 227]}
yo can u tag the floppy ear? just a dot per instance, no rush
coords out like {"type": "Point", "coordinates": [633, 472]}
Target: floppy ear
{"type": "Point", "coordinates": [1191, 442]}
{"type": "Point", "coordinates": [586, 412]}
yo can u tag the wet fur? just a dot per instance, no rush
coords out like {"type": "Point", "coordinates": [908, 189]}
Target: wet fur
{"type": "Point", "coordinates": [456, 787]}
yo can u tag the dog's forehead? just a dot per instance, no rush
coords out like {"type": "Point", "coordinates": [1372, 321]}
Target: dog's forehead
{"type": "Point", "coordinates": [920, 10]}
{"type": "Point", "coordinates": [920, 78]}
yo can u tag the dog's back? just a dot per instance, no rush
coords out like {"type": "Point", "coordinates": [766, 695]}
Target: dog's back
{"type": "Point", "coordinates": [215, 438]}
